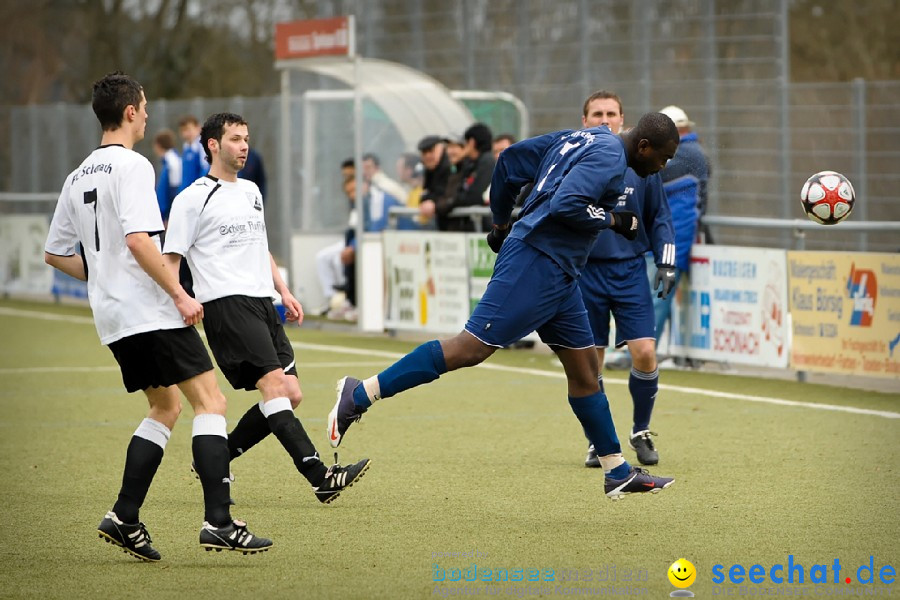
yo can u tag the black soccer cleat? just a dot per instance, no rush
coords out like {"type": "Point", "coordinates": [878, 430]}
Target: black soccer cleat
{"type": "Point", "coordinates": [345, 411]}
{"type": "Point", "coordinates": [339, 478]}
{"type": "Point", "coordinates": [643, 446]}
{"type": "Point", "coordinates": [638, 481]}
{"type": "Point", "coordinates": [133, 539]}
{"type": "Point", "coordinates": [234, 536]}
{"type": "Point", "coordinates": [592, 461]}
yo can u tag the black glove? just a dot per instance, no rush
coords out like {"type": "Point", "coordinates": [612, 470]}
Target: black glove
{"type": "Point", "coordinates": [665, 275]}
{"type": "Point", "coordinates": [496, 236]}
{"type": "Point", "coordinates": [625, 223]}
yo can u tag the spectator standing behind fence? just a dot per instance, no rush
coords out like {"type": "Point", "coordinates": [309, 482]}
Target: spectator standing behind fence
{"type": "Point", "coordinates": [193, 159]}
{"type": "Point", "coordinates": [684, 180]}
{"type": "Point", "coordinates": [377, 178]}
{"type": "Point", "coordinates": [436, 166]}
{"type": "Point", "coordinates": [411, 173]}
{"type": "Point", "coordinates": [455, 149]}
{"type": "Point", "coordinates": [170, 172]}
{"type": "Point", "coordinates": [254, 171]}
{"type": "Point", "coordinates": [376, 206]}
{"type": "Point", "coordinates": [477, 170]}
{"type": "Point", "coordinates": [329, 267]}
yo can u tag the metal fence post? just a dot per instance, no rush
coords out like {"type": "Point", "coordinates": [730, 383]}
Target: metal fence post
{"type": "Point", "coordinates": [860, 185]}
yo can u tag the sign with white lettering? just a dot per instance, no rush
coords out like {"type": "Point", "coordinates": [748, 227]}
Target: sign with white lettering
{"type": "Point", "coordinates": [314, 37]}
{"type": "Point", "coordinates": [736, 309]}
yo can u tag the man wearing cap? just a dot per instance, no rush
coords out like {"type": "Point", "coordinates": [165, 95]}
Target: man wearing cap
{"type": "Point", "coordinates": [687, 202]}
{"type": "Point", "coordinates": [437, 171]}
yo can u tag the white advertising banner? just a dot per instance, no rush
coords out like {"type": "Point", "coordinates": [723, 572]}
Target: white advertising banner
{"type": "Point", "coordinates": [426, 281]}
{"type": "Point", "coordinates": [736, 307]}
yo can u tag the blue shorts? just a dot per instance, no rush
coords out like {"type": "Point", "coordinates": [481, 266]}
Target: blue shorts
{"type": "Point", "coordinates": [621, 288]}
{"type": "Point", "coordinates": [530, 292]}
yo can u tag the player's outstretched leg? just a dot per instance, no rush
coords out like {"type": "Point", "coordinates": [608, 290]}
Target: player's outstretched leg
{"type": "Point", "coordinates": [233, 536]}
{"type": "Point", "coordinates": [423, 365]}
{"type": "Point", "coordinates": [132, 538]}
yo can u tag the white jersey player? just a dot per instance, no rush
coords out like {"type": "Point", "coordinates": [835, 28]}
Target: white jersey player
{"type": "Point", "coordinates": [218, 224]}
{"type": "Point", "coordinates": [108, 207]}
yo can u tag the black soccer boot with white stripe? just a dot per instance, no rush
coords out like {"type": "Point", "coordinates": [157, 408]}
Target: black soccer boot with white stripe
{"type": "Point", "coordinates": [133, 538]}
{"type": "Point", "coordinates": [339, 478]}
{"type": "Point", "coordinates": [234, 536]}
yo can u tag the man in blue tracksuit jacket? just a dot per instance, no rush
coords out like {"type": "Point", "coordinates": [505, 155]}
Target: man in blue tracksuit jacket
{"type": "Point", "coordinates": [579, 176]}
{"type": "Point", "coordinates": [615, 281]}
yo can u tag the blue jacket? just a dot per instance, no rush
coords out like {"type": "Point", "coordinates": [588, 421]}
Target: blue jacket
{"type": "Point", "coordinates": [683, 196]}
{"type": "Point", "coordinates": [690, 159]}
{"type": "Point", "coordinates": [579, 177]}
{"type": "Point", "coordinates": [647, 198]}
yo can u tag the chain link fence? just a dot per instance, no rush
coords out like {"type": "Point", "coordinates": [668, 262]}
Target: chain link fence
{"type": "Point", "coordinates": [724, 63]}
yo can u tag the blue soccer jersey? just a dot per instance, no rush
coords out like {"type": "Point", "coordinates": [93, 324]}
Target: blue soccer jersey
{"type": "Point", "coordinates": [646, 198]}
{"type": "Point", "coordinates": [579, 176]}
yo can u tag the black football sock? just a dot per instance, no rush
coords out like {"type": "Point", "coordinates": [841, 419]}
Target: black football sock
{"type": "Point", "coordinates": [210, 447]}
{"type": "Point", "coordinates": [250, 430]}
{"type": "Point", "coordinates": [145, 452]}
{"type": "Point", "coordinates": [289, 431]}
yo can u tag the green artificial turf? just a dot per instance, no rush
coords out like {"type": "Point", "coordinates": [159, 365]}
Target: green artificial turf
{"type": "Point", "coordinates": [486, 461]}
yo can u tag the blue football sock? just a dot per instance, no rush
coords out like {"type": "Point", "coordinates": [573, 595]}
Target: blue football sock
{"type": "Point", "coordinates": [620, 472]}
{"type": "Point", "coordinates": [593, 413]}
{"type": "Point", "coordinates": [600, 381]}
{"type": "Point", "coordinates": [643, 387]}
{"type": "Point", "coordinates": [422, 365]}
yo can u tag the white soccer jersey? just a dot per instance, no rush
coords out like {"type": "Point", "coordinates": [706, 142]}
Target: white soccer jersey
{"type": "Point", "coordinates": [109, 196]}
{"type": "Point", "coordinates": [220, 227]}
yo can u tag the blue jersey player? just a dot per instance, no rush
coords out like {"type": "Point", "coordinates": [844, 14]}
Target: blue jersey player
{"type": "Point", "coordinates": [578, 177]}
{"type": "Point", "coordinates": [615, 281]}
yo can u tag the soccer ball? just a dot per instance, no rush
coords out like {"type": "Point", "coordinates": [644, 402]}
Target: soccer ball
{"type": "Point", "coordinates": [827, 197]}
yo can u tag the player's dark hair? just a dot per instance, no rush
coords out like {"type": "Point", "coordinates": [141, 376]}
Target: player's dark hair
{"type": "Point", "coordinates": [601, 95]}
{"type": "Point", "coordinates": [482, 135]}
{"type": "Point", "coordinates": [656, 128]}
{"type": "Point", "coordinates": [112, 95]}
{"type": "Point", "coordinates": [214, 127]}
{"type": "Point", "coordinates": [348, 163]}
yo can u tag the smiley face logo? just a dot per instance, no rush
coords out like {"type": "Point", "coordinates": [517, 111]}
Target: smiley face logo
{"type": "Point", "coordinates": [682, 573]}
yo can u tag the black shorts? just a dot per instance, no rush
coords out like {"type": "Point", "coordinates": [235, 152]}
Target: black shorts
{"type": "Point", "coordinates": [160, 358]}
{"type": "Point", "coordinates": [246, 337]}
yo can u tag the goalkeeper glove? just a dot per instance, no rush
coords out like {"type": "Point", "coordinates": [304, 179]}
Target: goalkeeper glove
{"type": "Point", "coordinates": [496, 236]}
{"type": "Point", "coordinates": [665, 275]}
{"type": "Point", "coordinates": [625, 223]}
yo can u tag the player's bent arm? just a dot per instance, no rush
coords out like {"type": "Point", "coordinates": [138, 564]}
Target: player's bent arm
{"type": "Point", "coordinates": [152, 262]}
{"type": "Point", "coordinates": [71, 265]}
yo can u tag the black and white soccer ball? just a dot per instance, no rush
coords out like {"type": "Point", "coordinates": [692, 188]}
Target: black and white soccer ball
{"type": "Point", "coordinates": [827, 197]}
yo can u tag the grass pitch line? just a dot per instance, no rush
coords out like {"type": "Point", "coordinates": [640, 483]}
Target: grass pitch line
{"type": "Point", "coordinates": [518, 370]}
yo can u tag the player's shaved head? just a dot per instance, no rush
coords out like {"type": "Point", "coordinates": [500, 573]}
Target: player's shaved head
{"type": "Point", "coordinates": [112, 95]}
{"type": "Point", "coordinates": [656, 128]}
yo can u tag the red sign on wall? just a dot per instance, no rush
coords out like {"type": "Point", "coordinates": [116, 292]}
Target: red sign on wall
{"type": "Point", "coordinates": [313, 37]}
